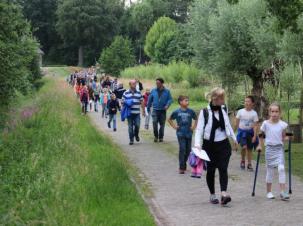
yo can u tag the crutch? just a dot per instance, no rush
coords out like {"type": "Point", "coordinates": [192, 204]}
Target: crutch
{"type": "Point", "coordinates": [261, 135]}
{"type": "Point", "coordinates": [290, 135]}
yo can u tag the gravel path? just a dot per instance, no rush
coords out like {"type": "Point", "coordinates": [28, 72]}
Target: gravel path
{"type": "Point", "coordinates": [181, 200]}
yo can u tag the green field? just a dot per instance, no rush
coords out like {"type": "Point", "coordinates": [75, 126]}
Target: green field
{"type": "Point", "coordinates": [57, 169]}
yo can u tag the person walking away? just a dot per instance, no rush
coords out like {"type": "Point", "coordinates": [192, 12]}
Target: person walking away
{"type": "Point", "coordinates": [104, 98]}
{"type": "Point", "coordinates": [184, 127]}
{"type": "Point", "coordinates": [84, 98]}
{"type": "Point", "coordinates": [106, 83]}
{"type": "Point", "coordinates": [246, 123]}
{"type": "Point", "coordinates": [96, 89]}
{"type": "Point", "coordinates": [134, 117]}
{"type": "Point", "coordinates": [214, 128]}
{"type": "Point", "coordinates": [160, 99]}
{"type": "Point", "coordinates": [119, 92]}
{"type": "Point", "coordinates": [91, 96]}
{"type": "Point", "coordinates": [147, 116]}
{"type": "Point", "coordinates": [113, 106]}
{"type": "Point", "coordinates": [274, 131]}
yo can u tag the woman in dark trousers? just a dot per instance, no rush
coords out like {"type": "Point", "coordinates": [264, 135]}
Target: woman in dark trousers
{"type": "Point", "coordinates": [214, 129]}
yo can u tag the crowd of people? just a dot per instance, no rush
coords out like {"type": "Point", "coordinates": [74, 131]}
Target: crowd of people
{"type": "Point", "coordinates": [212, 128]}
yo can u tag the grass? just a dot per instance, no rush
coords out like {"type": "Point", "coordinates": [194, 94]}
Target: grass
{"type": "Point", "coordinates": [56, 169]}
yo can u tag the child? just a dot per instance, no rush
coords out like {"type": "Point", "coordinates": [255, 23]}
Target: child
{"type": "Point", "coordinates": [84, 98]}
{"type": "Point", "coordinates": [275, 134]}
{"type": "Point", "coordinates": [145, 100]}
{"type": "Point", "coordinates": [246, 123]}
{"type": "Point", "coordinates": [184, 128]}
{"type": "Point", "coordinates": [104, 97]}
{"type": "Point", "coordinates": [91, 96]}
{"type": "Point", "coordinates": [113, 106]}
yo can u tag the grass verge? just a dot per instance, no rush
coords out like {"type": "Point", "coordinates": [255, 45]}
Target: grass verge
{"type": "Point", "coordinates": [56, 168]}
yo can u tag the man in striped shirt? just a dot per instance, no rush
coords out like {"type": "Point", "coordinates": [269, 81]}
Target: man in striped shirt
{"type": "Point", "coordinates": [134, 118]}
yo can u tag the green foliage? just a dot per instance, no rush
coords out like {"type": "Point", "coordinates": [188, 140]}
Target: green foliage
{"type": "Point", "coordinates": [54, 160]}
{"type": "Point", "coordinates": [89, 24]}
{"type": "Point", "coordinates": [117, 56]}
{"type": "Point", "coordinates": [158, 39]}
{"type": "Point", "coordinates": [174, 72]}
{"type": "Point", "coordinates": [18, 52]}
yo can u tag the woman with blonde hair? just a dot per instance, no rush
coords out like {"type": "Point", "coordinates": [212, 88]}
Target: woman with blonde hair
{"type": "Point", "coordinates": [214, 129]}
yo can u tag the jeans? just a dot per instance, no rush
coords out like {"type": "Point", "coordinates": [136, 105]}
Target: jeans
{"type": "Point", "coordinates": [184, 150]}
{"type": "Point", "coordinates": [159, 117]}
{"type": "Point", "coordinates": [147, 119]}
{"type": "Point", "coordinates": [104, 110]}
{"type": "Point", "coordinates": [84, 106]}
{"type": "Point", "coordinates": [133, 126]}
{"type": "Point", "coordinates": [113, 117]}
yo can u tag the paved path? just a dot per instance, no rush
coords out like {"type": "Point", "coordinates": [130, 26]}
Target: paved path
{"type": "Point", "coordinates": [181, 200]}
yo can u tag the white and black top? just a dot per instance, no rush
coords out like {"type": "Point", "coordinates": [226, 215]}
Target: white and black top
{"type": "Point", "coordinates": [137, 98]}
{"type": "Point", "coordinates": [204, 131]}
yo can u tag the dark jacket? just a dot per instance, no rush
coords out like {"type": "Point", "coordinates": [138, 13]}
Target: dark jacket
{"type": "Point", "coordinates": [113, 106]}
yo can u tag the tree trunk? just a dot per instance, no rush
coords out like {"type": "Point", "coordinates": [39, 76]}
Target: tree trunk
{"type": "Point", "coordinates": [261, 104]}
{"type": "Point", "coordinates": [80, 56]}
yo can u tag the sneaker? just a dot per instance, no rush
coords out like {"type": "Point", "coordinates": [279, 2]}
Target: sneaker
{"type": "Point", "coordinates": [225, 199]}
{"type": "Point", "coordinates": [160, 140]}
{"type": "Point", "coordinates": [137, 138]}
{"type": "Point", "coordinates": [270, 195]}
{"type": "Point", "coordinates": [155, 140]}
{"type": "Point", "coordinates": [131, 143]}
{"type": "Point", "coordinates": [250, 168]}
{"type": "Point", "coordinates": [242, 165]}
{"type": "Point", "coordinates": [213, 199]}
{"type": "Point", "coordinates": [193, 175]}
{"type": "Point", "coordinates": [284, 195]}
{"type": "Point", "coordinates": [181, 171]}
{"type": "Point", "coordinates": [115, 129]}
{"type": "Point", "coordinates": [108, 124]}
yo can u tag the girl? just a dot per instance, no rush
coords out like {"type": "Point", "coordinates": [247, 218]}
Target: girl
{"type": "Point", "coordinates": [104, 98]}
{"type": "Point", "coordinates": [274, 131]}
{"type": "Point", "coordinates": [214, 128]}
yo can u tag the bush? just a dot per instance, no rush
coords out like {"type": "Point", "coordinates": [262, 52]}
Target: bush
{"type": "Point", "coordinates": [117, 56]}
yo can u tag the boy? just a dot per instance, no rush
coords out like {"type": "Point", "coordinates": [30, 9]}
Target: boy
{"type": "Point", "coordinates": [184, 128]}
{"type": "Point", "coordinates": [113, 106]}
{"type": "Point", "coordinates": [246, 122]}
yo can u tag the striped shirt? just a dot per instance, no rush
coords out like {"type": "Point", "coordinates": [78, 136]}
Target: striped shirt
{"type": "Point", "coordinates": [137, 98]}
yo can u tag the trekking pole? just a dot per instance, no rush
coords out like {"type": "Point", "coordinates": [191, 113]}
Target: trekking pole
{"type": "Point", "coordinates": [256, 172]}
{"type": "Point", "coordinates": [290, 135]}
{"type": "Point", "coordinates": [261, 135]}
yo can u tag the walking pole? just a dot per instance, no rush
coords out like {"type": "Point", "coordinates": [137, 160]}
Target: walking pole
{"type": "Point", "coordinates": [261, 135]}
{"type": "Point", "coordinates": [290, 135]}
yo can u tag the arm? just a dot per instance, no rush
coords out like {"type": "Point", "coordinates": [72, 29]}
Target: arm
{"type": "Point", "coordinates": [194, 126]}
{"type": "Point", "coordinates": [150, 101]}
{"type": "Point", "coordinates": [143, 108]}
{"type": "Point", "coordinates": [172, 124]}
{"type": "Point", "coordinates": [199, 130]}
{"type": "Point", "coordinates": [169, 101]}
{"type": "Point", "coordinates": [237, 123]}
{"type": "Point", "coordinates": [255, 126]}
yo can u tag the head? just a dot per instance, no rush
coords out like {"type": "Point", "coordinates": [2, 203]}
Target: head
{"type": "Point", "coordinates": [113, 96]}
{"type": "Point", "coordinates": [217, 96]}
{"type": "Point", "coordinates": [147, 90]}
{"type": "Point", "coordinates": [159, 83]}
{"type": "Point", "coordinates": [183, 101]}
{"type": "Point", "coordinates": [132, 84]}
{"type": "Point", "coordinates": [105, 90]}
{"type": "Point", "coordinates": [249, 102]}
{"type": "Point", "coordinates": [274, 111]}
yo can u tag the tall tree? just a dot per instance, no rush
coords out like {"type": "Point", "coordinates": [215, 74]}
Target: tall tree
{"type": "Point", "coordinates": [90, 23]}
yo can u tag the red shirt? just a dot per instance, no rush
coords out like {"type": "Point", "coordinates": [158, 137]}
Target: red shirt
{"type": "Point", "coordinates": [145, 98]}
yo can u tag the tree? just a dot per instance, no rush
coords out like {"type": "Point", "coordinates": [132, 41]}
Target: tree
{"type": "Point", "coordinates": [90, 23]}
{"type": "Point", "coordinates": [234, 39]}
{"type": "Point", "coordinates": [18, 52]}
{"type": "Point", "coordinates": [118, 56]}
{"type": "Point", "coordinates": [158, 39]}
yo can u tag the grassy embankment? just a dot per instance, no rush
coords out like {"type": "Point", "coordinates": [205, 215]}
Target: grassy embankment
{"type": "Point", "coordinates": [57, 169]}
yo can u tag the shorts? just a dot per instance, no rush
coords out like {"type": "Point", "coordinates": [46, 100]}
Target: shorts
{"type": "Point", "coordinates": [247, 141]}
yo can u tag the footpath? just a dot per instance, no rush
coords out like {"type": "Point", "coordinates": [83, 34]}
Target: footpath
{"type": "Point", "coordinates": [183, 201]}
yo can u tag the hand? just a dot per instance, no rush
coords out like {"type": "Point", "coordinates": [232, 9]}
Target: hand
{"type": "Point", "coordinates": [236, 145]}
{"type": "Point", "coordinates": [254, 139]}
{"type": "Point", "coordinates": [192, 128]}
{"type": "Point", "coordinates": [176, 127]}
{"type": "Point", "coordinates": [143, 113]}
{"type": "Point", "coordinates": [259, 148]}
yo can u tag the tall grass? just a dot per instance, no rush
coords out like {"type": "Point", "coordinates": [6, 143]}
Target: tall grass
{"type": "Point", "coordinates": [56, 169]}
{"type": "Point", "coordinates": [174, 72]}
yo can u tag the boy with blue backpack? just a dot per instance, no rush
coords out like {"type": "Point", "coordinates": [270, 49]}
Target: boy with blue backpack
{"type": "Point", "coordinates": [184, 117]}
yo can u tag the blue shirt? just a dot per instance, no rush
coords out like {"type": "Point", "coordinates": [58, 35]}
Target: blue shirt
{"type": "Point", "coordinates": [184, 121]}
{"type": "Point", "coordinates": [159, 99]}
{"type": "Point", "coordinates": [137, 98]}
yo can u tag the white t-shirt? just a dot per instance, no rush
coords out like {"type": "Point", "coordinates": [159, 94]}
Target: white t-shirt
{"type": "Point", "coordinates": [273, 132]}
{"type": "Point", "coordinates": [247, 118]}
